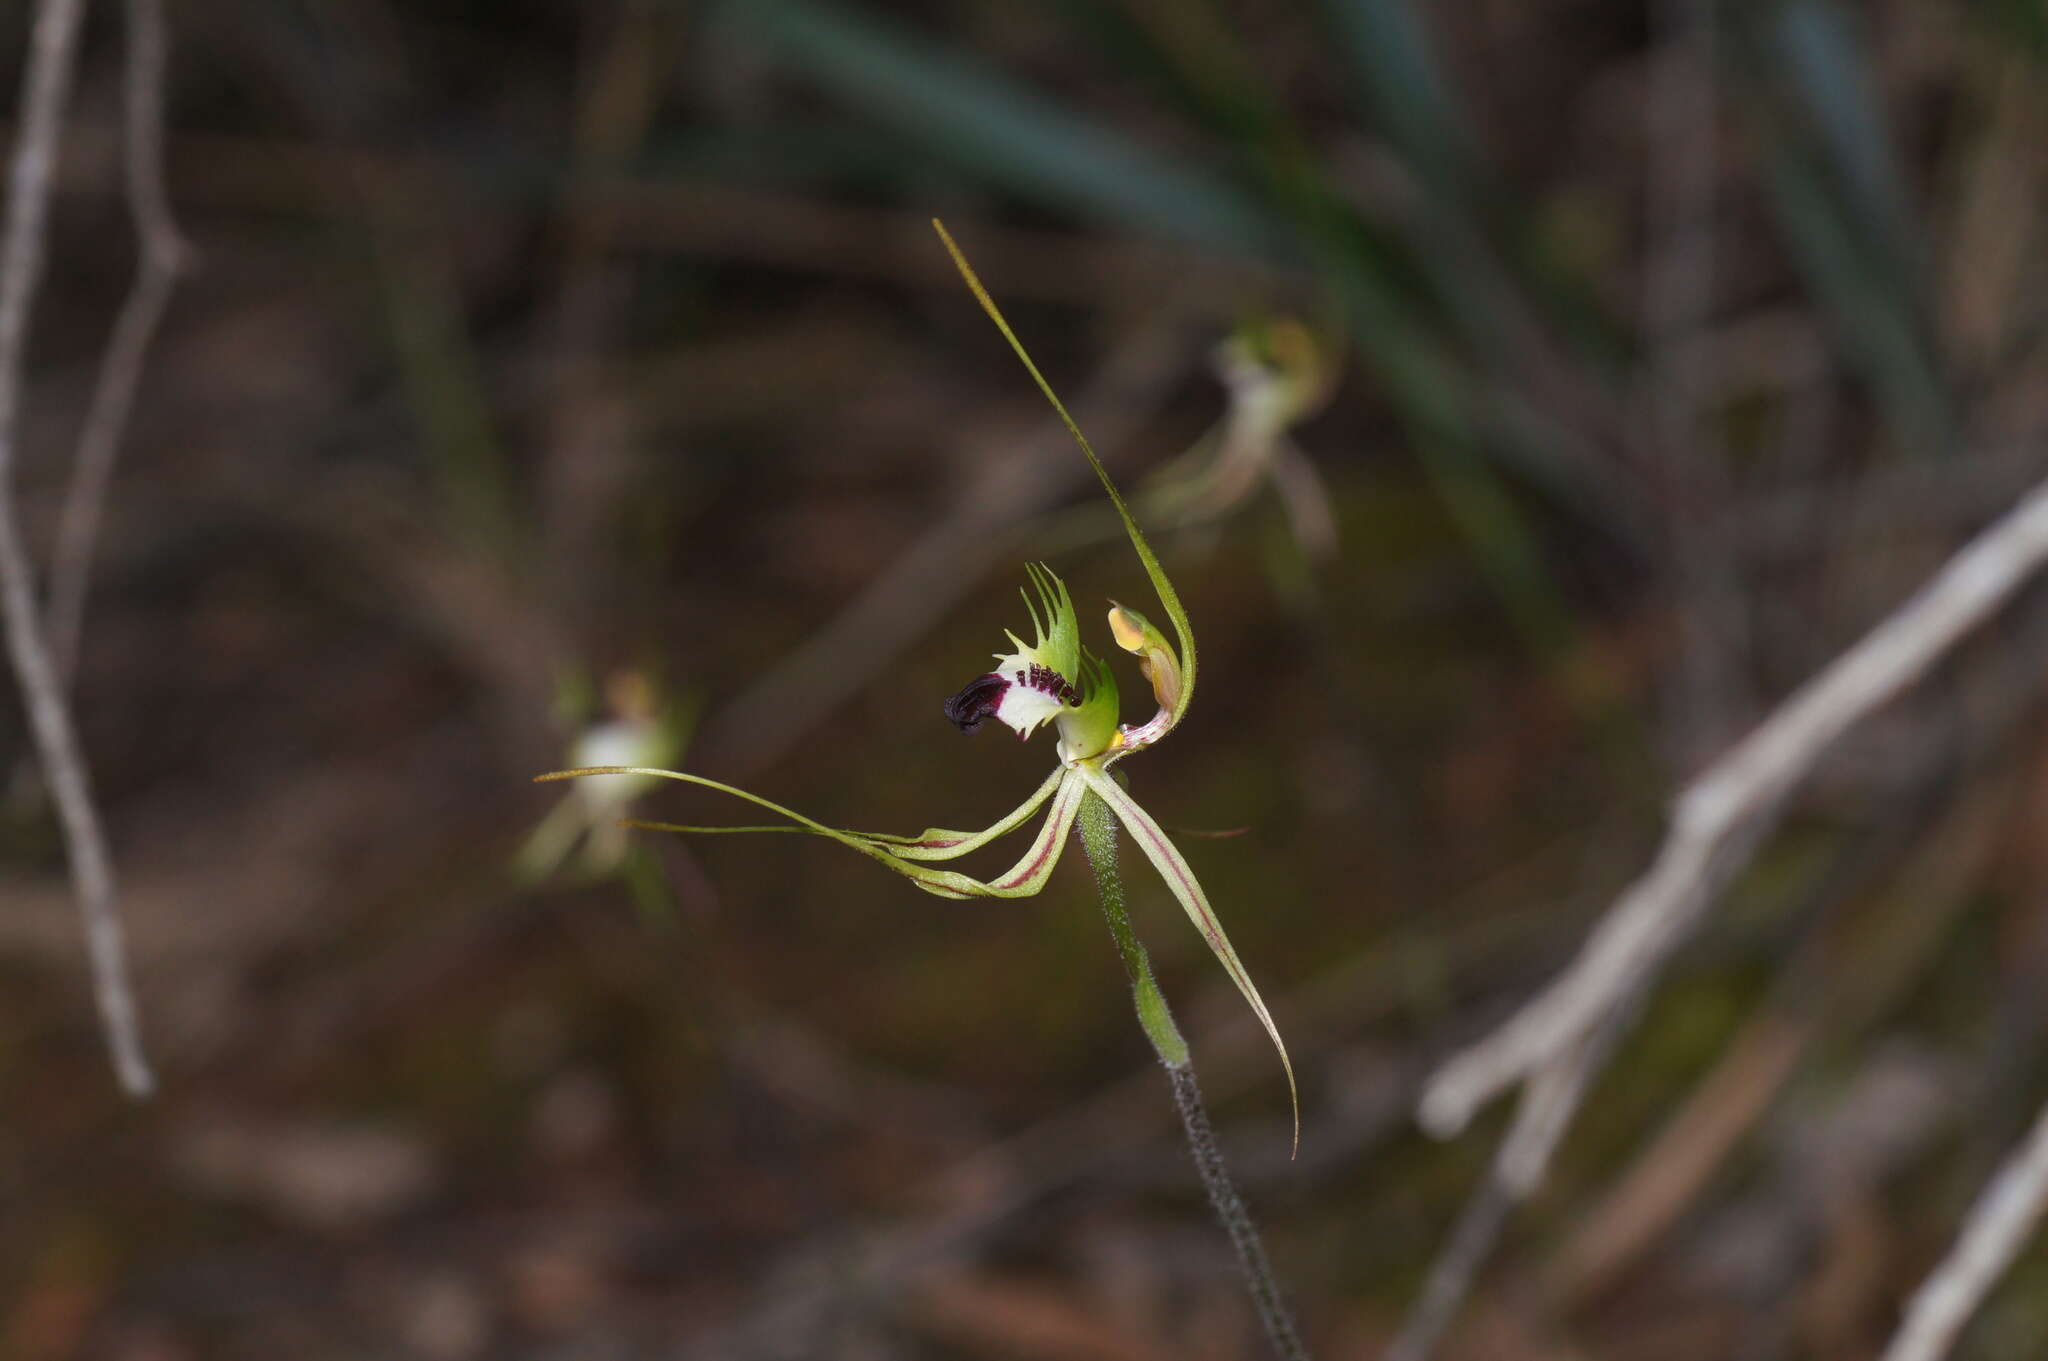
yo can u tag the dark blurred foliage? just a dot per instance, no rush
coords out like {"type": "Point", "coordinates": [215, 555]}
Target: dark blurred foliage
{"type": "Point", "coordinates": [531, 342]}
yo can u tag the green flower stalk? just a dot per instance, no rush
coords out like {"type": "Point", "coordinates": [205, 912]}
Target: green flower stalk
{"type": "Point", "coordinates": [1051, 680]}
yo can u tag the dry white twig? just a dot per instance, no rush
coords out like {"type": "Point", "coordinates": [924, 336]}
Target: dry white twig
{"type": "Point", "coordinates": [1734, 803]}
{"type": "Point", "coordinates": [160, 253]}
{"type": "Point", "coordinates": [1996, 1229]}
{"type": "Point", "coordinates": [1677, 289]}
{"type": "Point", "coordinates": [46, 85]}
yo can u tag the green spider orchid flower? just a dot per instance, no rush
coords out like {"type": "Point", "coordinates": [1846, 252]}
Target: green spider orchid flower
{"type": "Point", "coordinates": [1051, 680]}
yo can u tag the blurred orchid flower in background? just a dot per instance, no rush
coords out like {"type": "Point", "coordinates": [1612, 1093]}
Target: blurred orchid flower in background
{"type": "Point", "coordinates": [1277, 374]}
{"type": "Point", "coordinates": [638, 731]}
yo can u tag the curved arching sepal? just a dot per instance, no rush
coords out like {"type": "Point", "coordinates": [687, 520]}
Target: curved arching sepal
{"type": "Point", "coordinates": [1180, 879]}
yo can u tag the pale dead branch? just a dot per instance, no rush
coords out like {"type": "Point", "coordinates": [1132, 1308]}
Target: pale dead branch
{"type": "Point", "coordinates": [1723, 814]}
{"type": "Point", "coordinates": [1997, 1228]}
{"type": "Point", "coordinates": [160, 254]}
{"type": "Point", "coordinates": [46, 86]}
{"type": "Point", "coordinates": [1558, 1042]}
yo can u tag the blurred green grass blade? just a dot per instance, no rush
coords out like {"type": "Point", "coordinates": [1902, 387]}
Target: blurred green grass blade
{"type": "Point", "coordinates": [1483, 262]}
{"type": "Point", "coordinates": [998, 129]}
{"type": "Point", "coordinates": [1484, 254]}
{"type": "Point", "coordinates": [1825, 68]}
{"type": "Point", "coordinates": [1441, 400]}
{"type": "Point", "coordinates": [1185, 51]}
{"type": "Point", "coordinates": [1436, 267]}
{"type": "Point", "coordinates": [1875, 319]}
{"type": "Point", "coordinates": [1838, 197]}
{"type": "Point", "coordinates": [1462, 434]}
{"type": "Point", "coordinates": [1405, 91]}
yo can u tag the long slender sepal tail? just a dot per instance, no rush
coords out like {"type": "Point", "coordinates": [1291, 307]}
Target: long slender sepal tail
{"type": "Point", "coordinates": [1180, 879]}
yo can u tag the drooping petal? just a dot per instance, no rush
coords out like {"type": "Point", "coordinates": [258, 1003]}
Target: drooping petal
{"type": "Point", "coordinates": [917, 874]}
{"type": "Point", "coordinates": [1180, 878]}
{"type": "Point", "coordinates": [933, 843]}
{"type": "Point", "coordinates": [1031, 871]}
{"type": "Point", "coordinates": [1021, 880]}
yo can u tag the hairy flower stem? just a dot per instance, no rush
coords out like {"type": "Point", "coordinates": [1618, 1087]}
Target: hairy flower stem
{"type": "Point", "coordinates": [1098, 839]}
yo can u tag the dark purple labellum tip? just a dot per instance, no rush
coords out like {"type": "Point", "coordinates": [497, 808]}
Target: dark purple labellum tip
{"type": "Point", "coordinates": [976, 701]}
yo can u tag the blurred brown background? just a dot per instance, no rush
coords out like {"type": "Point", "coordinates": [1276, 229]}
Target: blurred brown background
{"type": "Point", "coordinates": [1670, 346]}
